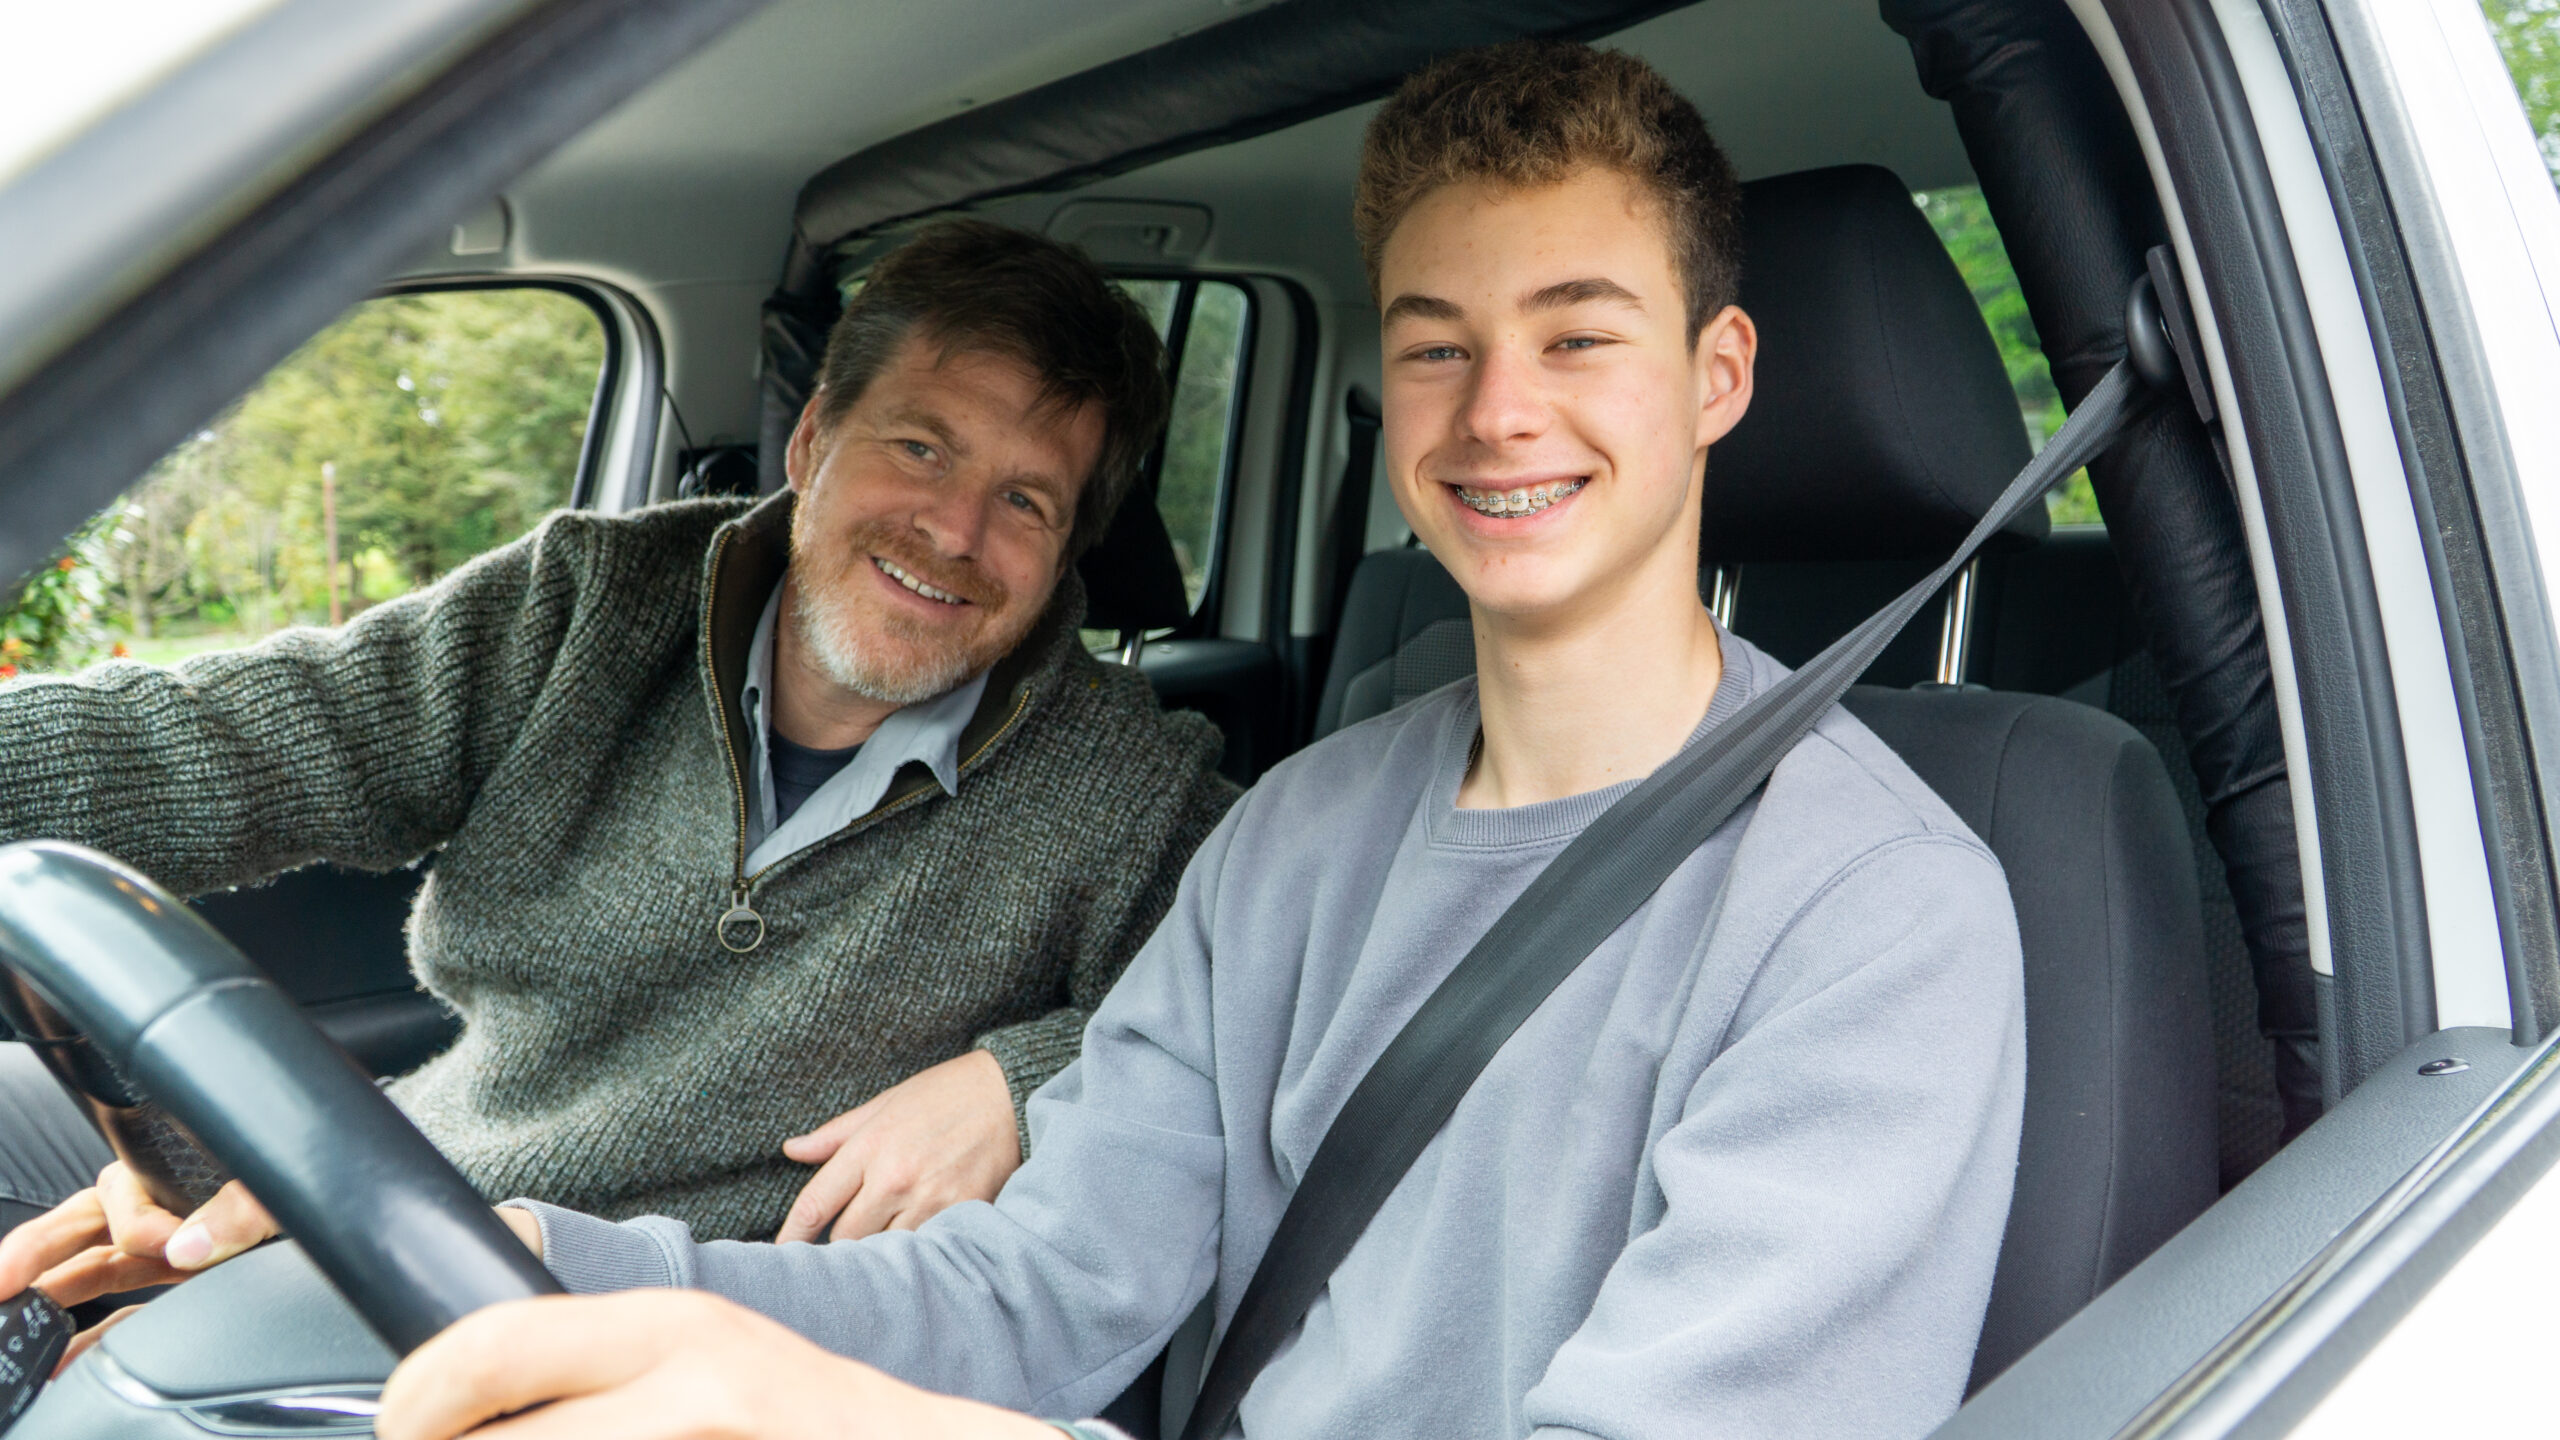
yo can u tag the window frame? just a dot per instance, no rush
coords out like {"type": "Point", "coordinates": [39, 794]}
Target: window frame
{"type": "Point", "coordinates": [1177, 339]}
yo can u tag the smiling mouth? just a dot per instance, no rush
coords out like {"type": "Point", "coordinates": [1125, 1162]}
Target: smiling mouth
{"type": "Point", "coordinates": [1527, 500]}
{"type": "Point", "coordinates": [936, 593]}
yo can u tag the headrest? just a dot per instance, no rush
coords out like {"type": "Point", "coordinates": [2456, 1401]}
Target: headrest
{"type": "Point", "coordinates": [1132, 579]}
{"type": "Point", "coordinates": [1882, 424]}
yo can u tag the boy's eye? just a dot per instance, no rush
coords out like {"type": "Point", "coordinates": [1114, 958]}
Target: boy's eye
{"type": "Point", "coordinates": [1438, 352]}
{"type": "Point", "coordinates": [1578, 342]}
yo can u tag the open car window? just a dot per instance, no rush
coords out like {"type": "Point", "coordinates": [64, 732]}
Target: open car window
{"type": "Point", "coordinates": [418, 431]}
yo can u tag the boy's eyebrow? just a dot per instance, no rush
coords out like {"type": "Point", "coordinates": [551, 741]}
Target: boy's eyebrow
{"type": "Point", "coordinates": [1579, 292]}
{"type": "Point", "coordinates": [1420, 307]}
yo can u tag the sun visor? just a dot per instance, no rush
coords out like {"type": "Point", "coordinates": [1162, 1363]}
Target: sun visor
{"type": "Point", "coordinates": [1257, 73]}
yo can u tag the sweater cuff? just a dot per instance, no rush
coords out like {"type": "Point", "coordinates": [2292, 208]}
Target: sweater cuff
{"type": "Point", "coordinates": [1033, 1052]}
{"type": "Point", "coordinates": [589, 1256]}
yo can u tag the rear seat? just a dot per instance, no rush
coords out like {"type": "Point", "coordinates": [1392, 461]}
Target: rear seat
{"type": "Point", "coordinates": [1882, 422]}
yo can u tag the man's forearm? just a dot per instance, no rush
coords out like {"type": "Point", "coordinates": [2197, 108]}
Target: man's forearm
{"type": "Point", "coordinates": [344, 745]}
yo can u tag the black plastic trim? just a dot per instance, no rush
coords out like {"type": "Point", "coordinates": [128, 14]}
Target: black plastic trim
{"type": "Point", "coordinates": [2377, 933]}
{"type": "Point", "coordinates": [132, 383]}
{"type": "Point", "coordinates": [2496, 742]}
{"type": "Point", "coordinates": [1299, 684]}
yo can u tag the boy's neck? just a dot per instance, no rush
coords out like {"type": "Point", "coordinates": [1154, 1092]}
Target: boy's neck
{"type": "Point", "coordinates": [1570, 707]}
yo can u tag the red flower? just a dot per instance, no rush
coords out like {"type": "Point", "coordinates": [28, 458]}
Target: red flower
{"type": "Point", "coordinates": [66, 564]}
{"type": "Point", "coordinates": [8, 671]}
{"type": "Point", "coordinates": [120, 652]}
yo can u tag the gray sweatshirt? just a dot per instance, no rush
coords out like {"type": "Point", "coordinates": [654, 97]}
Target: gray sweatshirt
{"type": "Point", "coordinates": [1744, 1173]}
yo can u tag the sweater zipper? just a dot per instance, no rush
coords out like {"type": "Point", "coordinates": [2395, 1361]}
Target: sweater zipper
{"type": "Point", "coordinates": [741, 929]}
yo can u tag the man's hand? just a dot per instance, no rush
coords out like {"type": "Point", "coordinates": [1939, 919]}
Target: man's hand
{"type": "Point", "coordinates": [659, 1365]}
{"type": "Point", "coordinates": [113, 1238]}
{"type": "Point", "coordinates": [930, 1141]}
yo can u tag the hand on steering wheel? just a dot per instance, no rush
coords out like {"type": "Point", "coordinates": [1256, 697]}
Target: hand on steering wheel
{"type": "Point", "coordinates": [113, 1237]}
{"type": "Point", "coordinates": [658, 1365]}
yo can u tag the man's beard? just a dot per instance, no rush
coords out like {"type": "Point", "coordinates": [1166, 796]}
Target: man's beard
{"type": "Point", "coordinates": [872, 650]}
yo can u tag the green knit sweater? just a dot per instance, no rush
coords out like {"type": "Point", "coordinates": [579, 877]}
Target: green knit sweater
{"type": "Point", "coordinates": [555, 723]}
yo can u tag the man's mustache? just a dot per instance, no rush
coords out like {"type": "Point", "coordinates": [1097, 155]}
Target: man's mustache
{"type": "Point", "coordinates": [964, 578]}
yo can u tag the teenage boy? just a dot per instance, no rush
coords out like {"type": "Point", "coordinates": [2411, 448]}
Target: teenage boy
{"type": "Point", "coordinates": [1744, 1173]}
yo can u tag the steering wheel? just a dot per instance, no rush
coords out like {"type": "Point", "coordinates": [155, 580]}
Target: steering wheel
{"type": "Point", "coordinates": [177, 1041]}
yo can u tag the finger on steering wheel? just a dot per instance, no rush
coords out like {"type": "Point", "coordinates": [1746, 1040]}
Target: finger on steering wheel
{"type": "Point", "coordinates": [69, 1254]}
{"type": "Point", "coordinates": [230, 1222]}
{"type": "Point", "coordinates": [40, 1245]}
{"type": "Point", "coordinates": [139, 1227]}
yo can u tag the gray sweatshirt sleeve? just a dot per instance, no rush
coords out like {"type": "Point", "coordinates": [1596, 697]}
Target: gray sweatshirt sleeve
{"type": "Point", "coordinates": [1053, 1298]}
{"type": "Point", "coordinates": [1837, 1182]}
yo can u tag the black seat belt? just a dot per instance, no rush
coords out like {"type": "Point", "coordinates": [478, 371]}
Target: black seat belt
{"type": "Point", "coordinates": [1606, 874]}
{"type": "Point", "coordinates": [1362, 421]}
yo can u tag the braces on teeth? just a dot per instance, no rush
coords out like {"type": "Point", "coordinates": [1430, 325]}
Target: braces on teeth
{"type": "Point", "coordinates": [1527, 501]}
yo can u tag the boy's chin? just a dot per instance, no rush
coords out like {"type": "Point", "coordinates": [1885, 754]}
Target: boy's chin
{"type": "Point", "coordinates": [1528, 590]}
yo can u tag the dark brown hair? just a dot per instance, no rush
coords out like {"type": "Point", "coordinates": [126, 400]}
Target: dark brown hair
{"type": "Point", "coordinates": [1531, 112]}
{"type": "Point", "coordinates": [967, 285]}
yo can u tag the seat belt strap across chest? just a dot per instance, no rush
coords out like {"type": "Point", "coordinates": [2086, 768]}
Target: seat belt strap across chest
{"type": "Point", "coordinates": [1593, 885]}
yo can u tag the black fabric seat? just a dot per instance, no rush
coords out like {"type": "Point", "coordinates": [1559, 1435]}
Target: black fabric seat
{"type": "Point", "coordinates": [1881, 423]}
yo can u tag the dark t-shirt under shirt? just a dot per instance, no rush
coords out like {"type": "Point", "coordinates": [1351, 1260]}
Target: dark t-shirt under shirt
{"type": "Point", "coordinates": [798, 771]}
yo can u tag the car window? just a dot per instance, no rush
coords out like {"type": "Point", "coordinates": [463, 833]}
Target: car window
{"type": "Point", "coordinates": [2528, 34]}
{"type": "Point", "coordinates": [1963, 223]}
{"type": "Point", "coordinates": [417, 431]}
{"type": "Point", "coordinates": [1205, 325]}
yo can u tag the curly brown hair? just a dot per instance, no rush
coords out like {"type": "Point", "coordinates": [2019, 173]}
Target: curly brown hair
{"type": "Point", "coordinates": [967, 286]}
{"type": "Point", "coordinates": [1531, 112]}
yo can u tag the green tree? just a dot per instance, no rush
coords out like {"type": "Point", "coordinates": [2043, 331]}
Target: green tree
{"type": "Point", "coordinates": [55, 622]}
{"type": "Point", "coordinates": [451, 420]}
{"type": "Point", "coordinates": [2528, 35]}
{"type": "Point", "coordinates": [1963, 223]}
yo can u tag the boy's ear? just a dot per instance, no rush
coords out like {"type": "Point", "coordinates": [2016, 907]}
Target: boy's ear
{"type": "Point", "coordinates": [800, 458]}
{"type": "Point", "coordinates": [1726, 351]}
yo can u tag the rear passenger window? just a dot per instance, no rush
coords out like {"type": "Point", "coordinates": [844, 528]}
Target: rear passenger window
{"type": "Point", "coordinates": [416, 432]}
{"type": "Point", "coordinates": [1963, 223]}
{"type": "Point", "coordinates": [1206, 326]}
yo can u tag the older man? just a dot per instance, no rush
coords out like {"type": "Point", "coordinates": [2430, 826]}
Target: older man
{"type": "Point", "coordinates": [800, 834]}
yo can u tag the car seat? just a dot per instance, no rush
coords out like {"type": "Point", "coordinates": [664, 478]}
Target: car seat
{"type": "Point", "coordinates": [1881, 424]}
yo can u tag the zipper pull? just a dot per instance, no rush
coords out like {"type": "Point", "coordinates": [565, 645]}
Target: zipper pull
{"type": "Point", "coordinates": [741, 929]}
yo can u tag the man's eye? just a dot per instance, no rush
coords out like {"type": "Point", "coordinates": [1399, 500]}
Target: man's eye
{"type": "Point", "coordinates": [918, 449]}
{"type": "Point", "coordinates": [1020, 501]}
{"type": "Point", "coordinates": [1578, 342]}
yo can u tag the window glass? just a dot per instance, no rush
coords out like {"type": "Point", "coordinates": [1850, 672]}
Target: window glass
{"type": "Point", "coordinates": [2528, 34]}
{"type": "Point", "coordinates": [416, 432]}
{"type": "Point", "coordinates": [1196, 441]}
{"type": "Point", "coordinates": [1157, 298]}
{"type": "Point", "coordinates": [1963, 223]}
{"type": "Point", "coordinates": [1206, 339]}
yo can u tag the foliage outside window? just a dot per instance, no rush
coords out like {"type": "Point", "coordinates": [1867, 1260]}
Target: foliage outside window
{"type": "Point", "coordinates": [2528, 35]}
{"type": "Point", "coordinates": [416, 432]}
{"type": "Point", "coordinates": [1963, 223]}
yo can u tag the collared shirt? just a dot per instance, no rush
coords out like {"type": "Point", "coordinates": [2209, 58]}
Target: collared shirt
{"type": "Point", "coordinates": [927, 732]}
